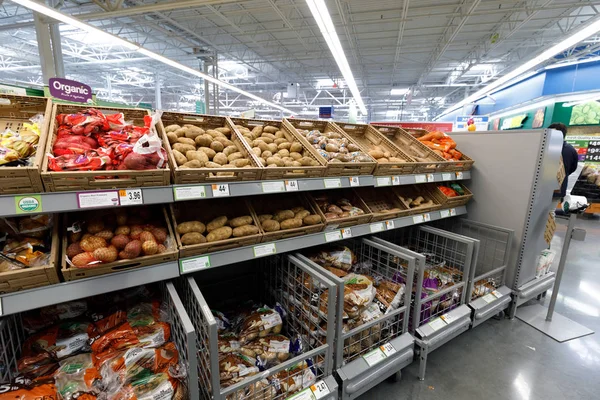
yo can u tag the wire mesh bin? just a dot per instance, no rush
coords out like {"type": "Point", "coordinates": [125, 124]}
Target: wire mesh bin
{"type": "Point", "coordinates": [444, 259]}
{"type": "Point", "coordinates": [12, 338]}
{"type": "Point", "coordinates": [305, 298]}
{"type": "Point", "coordinates": [372, 340]}
{"type": "Point", "coordinates": [487, 293]}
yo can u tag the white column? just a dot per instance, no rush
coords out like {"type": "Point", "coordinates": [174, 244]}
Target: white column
{"type": "Point", "coordinates": [44, 47]}
{"type": "Point", "coordinates": [157, 93]}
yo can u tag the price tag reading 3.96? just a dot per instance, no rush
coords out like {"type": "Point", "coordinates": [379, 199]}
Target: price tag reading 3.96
{"type": "Point", "coordinates": [131, 197]}
{"type": "Point", "coordinates": [220, 190]}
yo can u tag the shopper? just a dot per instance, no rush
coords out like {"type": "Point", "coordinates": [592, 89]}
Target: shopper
{"type": "Point", "coordinates": [569, 156]}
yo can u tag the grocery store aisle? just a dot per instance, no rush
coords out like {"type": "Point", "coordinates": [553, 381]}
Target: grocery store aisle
{"type": "Point", "coordinates": [511, 360]}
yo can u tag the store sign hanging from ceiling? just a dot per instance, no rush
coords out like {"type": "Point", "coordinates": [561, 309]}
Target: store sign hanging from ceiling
{"type": "Point", "coordinates": [68, 90]}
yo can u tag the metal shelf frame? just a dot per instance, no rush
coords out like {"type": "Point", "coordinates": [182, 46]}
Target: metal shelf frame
{"type": "Point", "coordinates": [54, 202]}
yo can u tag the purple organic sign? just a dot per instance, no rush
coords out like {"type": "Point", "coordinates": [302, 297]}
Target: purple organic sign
{"type": "Point", "coordinates": [68, 90]}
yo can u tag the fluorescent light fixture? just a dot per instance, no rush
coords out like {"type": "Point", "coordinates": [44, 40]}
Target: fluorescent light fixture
{"type": "Point", "coordinates": [546, 55]}
{"type": "Point", "coordinates": [399, 92]}
{"type": "Point", "coordinates": [575, 62]}
{"type": "Point", "coordinates": [50, 12]}
{"type": "Point", "coordinates": [323, 18]}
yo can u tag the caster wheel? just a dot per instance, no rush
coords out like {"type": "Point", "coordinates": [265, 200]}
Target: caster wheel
{"type": "Point", "coordinates": [395, 378]}
{"type": "Point", "coordinates": [501, 315]}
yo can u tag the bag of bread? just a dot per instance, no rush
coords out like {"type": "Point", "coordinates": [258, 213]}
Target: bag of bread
{"type": "Point", "coordinates": [295, 378]}
{"type": "Point", "coordinates": [236, 365]}
{"type": "Point", "coordinates": [358, 290]}
{"type": "Point", "coordinates": [269, 350]}
{"type": "Point", "coordinates": [337, 257]}
{"type": "Point", "coordinates": [389, 296]}
{"type": "Point", "coordinates": [260, 323]}
{"type": "Point", "coordinates": [229, 343]}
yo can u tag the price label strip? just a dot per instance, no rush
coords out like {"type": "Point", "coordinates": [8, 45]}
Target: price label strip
{"type": "Point", "coordinates": [420, 178]}
{"type": "Point", "coordinates": [275, 187]}
{"type": "Point", "coordinates": [195, 264]}
{"type": "Point", "coordinates": [189, 193]}
{"type": "Point", "coordinates": [459, 175]}
{"type": "Point", "coordinates": [388, 349]}
{"type": "Point", "coordinates": [374, 357]}
{"type": "Point", "coordinates": [447, 318]}
{"type": "Point", "coordinates": [333, 236]}
{"type": "Point", "coordinates": [332, 183]}
{"type": "Point", "coordinates": [437, 324]}
{"type": "Point", "coordinates": [395, 180]}
{"type": "Point", "coordinates": [291, 186]}
{"type": "Point", "coordinates": [346, 233]}
{"type": "Point", "coordinates": [354, 181]}
{"type": "Point", "coordinates": [447, 177]}
{"type": "Point", "coordinates": [378, 227]}
{"type": "Point", "coordinates": [220, 190]}
{"type": "Point", "coordinates": [389, 224]}
{"type": "Point", "coordinates": [497, 294]}
{"type": "Point", "coordinates": [264, 250]}
{"type": "Point", "coordinates": [426, 217]}
{"type": "Point", "coordinates": [98, 199]}
{"type": "Point", "coordinates": [131, 197]}
{"type": "Point", "coordinates": [320, 390]}
{"type": "Point", "coordinates": [488, 298]}
{"type": "Point", "coordinates": [430, 178]}
{"type": "Point", "coordinates": [384, 181]}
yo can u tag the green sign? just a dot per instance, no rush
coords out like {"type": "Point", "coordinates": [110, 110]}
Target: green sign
{"type": "Point", "coordinates": [587, 146]}
{"type": "Point", "coordinates": [28, 204]}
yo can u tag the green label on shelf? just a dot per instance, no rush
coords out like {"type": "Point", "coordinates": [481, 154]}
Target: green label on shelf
{"type": "Point", "coordinates": [28, 204]}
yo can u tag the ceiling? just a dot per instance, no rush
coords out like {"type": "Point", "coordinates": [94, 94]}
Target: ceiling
{"type": "Point", "coordinates": [441, 49]}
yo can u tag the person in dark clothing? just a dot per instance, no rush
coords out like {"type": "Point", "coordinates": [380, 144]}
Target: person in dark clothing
{"type": "Point", "coordinates": [569, 156]}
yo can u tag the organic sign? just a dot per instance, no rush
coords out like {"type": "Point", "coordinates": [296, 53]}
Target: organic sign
{"type": "Point", "coordinates": [68, 90]}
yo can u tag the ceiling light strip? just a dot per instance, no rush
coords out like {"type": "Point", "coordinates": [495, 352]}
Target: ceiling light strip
{"type": "Point", "coordinates": [52, 13]}
{"type": "Point", "coordinates": [323, 19]}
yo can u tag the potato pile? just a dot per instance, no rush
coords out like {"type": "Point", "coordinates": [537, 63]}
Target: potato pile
{"type": "Point", "coordinates": [288, 219]}
{"type": "Point", "coordinates": [193, 147]}
{"type": "Point", "coordinates": [274, 149]}
{"type": "Point", "coordinates": [340, 208]}
{"type": "Point", "coordinates": [220, 228]}
{"type": "Point", "coordinates": [334, 147]}
{"type": "Point", "coordinates": [381, 155]}
{"type": "Point", "coordinates": [116, 236]}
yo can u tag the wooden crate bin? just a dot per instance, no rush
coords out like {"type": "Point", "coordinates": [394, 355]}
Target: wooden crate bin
{"type": "Point", "coordinates": [71, 273]}
{"type": "Point", "coordinates": [332, 197]}
{"type": "Point", "coordinates": [426, 160]}
{"type": "Point", "coordinates": [271, 204]}
{"type": "Point", "coordinates": [33, 277]}
{"type": "Point", "coordinates": [368, 138]}
{"type": "Point", "coordinates": [448, 202]}
{"type": "Point", "coordinates": [409, 193]}
{"type": "Point", "coordinates": [20, 180]}
{"type": "Point", "coordinates": [464, 164]}
{"type": "Point", "coordinates": [205, 211]}
{"type": "Point", "coordinates": [60, 181]}
{"type": "Point", "coordinates": [292, 136]}
{"type": "Point", "coordinates": [333, 169]}
{"type": "Point", "coordinates": [383, 203]}
{"type": "Point", "coordinates": [197, 175]}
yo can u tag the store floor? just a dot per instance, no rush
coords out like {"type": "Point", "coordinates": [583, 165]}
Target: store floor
{"type": "Point", "coordinates": [510, 359]}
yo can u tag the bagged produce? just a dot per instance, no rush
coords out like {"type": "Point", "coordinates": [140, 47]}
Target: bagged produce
{"type": "Point", "coordinates": [26, 389]}
{"type": "Point", "coordinates": [157, 386]}
{"type": "Point", "coordinates": [27, 242]}
{"type": "Point", "coordinates": [44, 317]}
{"type": "Point", "coordinates": [78, 377]}
{"type": "Point", "coordinates": [236, 365]}
{"type": "Point", "coordinates": [19, 149]}
{"type": "Point", "coordinates": [260, 323]}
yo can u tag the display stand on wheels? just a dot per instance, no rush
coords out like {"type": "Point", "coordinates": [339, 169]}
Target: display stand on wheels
{"type": "Point", "coordinates": [439, 311]}
{"type": "Point", "coordinates": [380, 346]}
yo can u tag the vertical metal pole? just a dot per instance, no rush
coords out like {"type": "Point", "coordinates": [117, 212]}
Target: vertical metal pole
{"type": "Point", "coordinates": [109, 87]}
{"type": "Point", "coordinates": [217, 104]}
{"type": "Point", "coordinates": [45, 49]}
{"type": "Point", "coordinates": [281, 101]}
{"type": "Point", "coordinates": [561, 265]}
{"type": "Point", "coordinates": [206, 89]}
{"type": "Point", "coordinates": [157, 94]}
{"type": "Point", "coordinates": [59, 66]}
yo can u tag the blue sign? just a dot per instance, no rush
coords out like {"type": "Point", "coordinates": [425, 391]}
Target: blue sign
{"type": "Point", "coordinates": [325, 112]}
{"type": "Point", "coordinates": [462, 123]}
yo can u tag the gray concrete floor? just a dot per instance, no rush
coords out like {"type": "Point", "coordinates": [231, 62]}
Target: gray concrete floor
{"type": "Point", "coordinates": [508, 359]}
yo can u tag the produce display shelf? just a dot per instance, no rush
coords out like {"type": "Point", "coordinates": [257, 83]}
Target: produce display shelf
{"type": "Point", "coordinates": [16, 302]}
{"type": "Point", "coordinates": [36, 203]}
{"type": "Point", "coordinates": [221, 258]}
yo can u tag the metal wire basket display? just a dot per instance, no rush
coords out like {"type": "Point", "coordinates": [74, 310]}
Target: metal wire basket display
{"type": "Point", "coordinates": [305, 300]}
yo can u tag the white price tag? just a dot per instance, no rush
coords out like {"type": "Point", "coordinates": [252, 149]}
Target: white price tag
{"type": "Point", "coordinates": [446, 177]}
{"type": "Point", "coordinates": [420, 178]}
{"type": "Point", "coordinates": [320, 390]}
{"type": "Point", "coordinates": [444, 213]}
{"type": "Point", "coordinates": [333, 236]}
{"type": "Point", "coordinates": [354, 181]}
{"type": "Point", "coordinates": [437, 324]}
{"type": "Point", "coordinates": [459, 175]}
{"type": "Point", "coordinates": [220, 190]}
{"type": "Point", "coordinates": [195, 264]}
{"type": "Point", "coordinates": [274, 187]}
{"type": "Point", "coordinates": [430, 178]}
{"type": "Point", "coordinates": [189, 193]}
{"type": "Point", "coordinates": [426, 217]}
{"type": "Point", "coordinates": [497, 294]}
{"type": "Point", "coordinates": [389, 224]}
{"type": "Point", "coordinates": [346, 233]}
{"type": "Point", "coordinates": [332, 183]}
{"type": "Point", "coordinates": [374, 357]}
{"type": "Point", "coordinates": [384, 181]}
{"type": "Point", "coordinates": [395, 180]}
{"type": "Point", "coordinates": [265, 250]}
{"type": "Point", "coordinates": [378, 227]}
{"type": "Point", "coordinates": [98, 199]}
{"type": "Point", "coordinates": [488, 298]}
{"type": "Point", "coordinates": [388, 349]}
{"type": "Point", "coordinates": [291, 186]}
{"type": "Point", "coordinates": [418, 219]}
{"type": "Point", "coordinates": [131, 197]}
{"type": "Point", "coordinates": [447, 318]}
{"type": "Point", "coordinates": [453, 212]}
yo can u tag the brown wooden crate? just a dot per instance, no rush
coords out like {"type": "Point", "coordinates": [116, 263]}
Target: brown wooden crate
{"type": "Point", "coordinates": [205, 211]}
{"type": "Point", "coordinates": [432, 162]}
{"type": "Point", "coordinates": [333, 169]}
{"type": "Point", "coordinates": [196, 175]}
{"type": "Point", "coordinates": [448, 202]}
{"type": "Point", "coordinates": [27, 278]}
{"type": "Point", "coordinates": [71, 273]}
{"type": "Point", "coordinates": [24, 179]}
{"type": "Point", "coordinates": [464, 164]}
{"type": "Point", "coordinates": [333, 195]}
{"type": "Point", "coordinates": [380, 201]}
{"type": "Point", "coordinates": [98, 180]}
{"type": "Point", "coordinates": [367, 137]}
{"type": "Point", "coordinates": [292, 136]}
{"type": "Point", "coordinates": [414, 191]}
{"type": "Point", "coordinates": [262, 205]}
